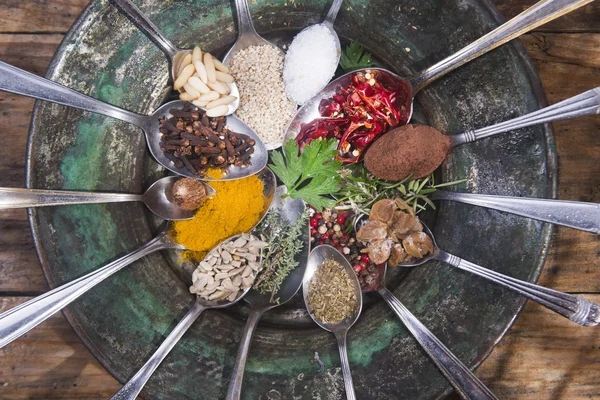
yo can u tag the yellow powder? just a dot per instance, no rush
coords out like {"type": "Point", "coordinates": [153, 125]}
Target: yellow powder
{"type": "Point", "coordinates": [235, 208]}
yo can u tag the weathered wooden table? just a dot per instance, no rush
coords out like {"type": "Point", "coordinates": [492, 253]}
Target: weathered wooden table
{"type": "Point", "coordinates": [543, 356]}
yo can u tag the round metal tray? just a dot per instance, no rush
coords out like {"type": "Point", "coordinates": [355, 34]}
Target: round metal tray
{"type": "Point", "coordinates": [123, 320]}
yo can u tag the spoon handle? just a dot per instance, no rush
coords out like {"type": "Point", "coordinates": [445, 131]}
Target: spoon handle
{"type": "Point", "coordinates": [348, 384]}
{"type": "Point", "coordinates": [332, 13]}
{"type": "Point", "coordinates": [244, 18]}
{"type": "Point", "coordinates": [540, 13]}
{"type": "Point", "coordinates": [21, 198]}
{"type": "Point", "coordinates": [21, 319]}
{"type": "Point", "coordinates": [460, 377]}
{"type": "Point", "coordinates": [237, 377]}
{"type": "Point", "coordinates": [148, 28]}
{"type": "Point", "coordinates": [586, 103]}
{"type": "Point", "coordinates": [577, 309]}
{"type": "Point", "coordinates": [574, 214]}
{"type": "Point", "coordinates": [135, 385]}
{"type": "Point", "coordinates": [16, 80]}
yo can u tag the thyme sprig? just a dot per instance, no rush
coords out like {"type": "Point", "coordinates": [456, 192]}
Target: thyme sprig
{"type": "Point", "coordinates": [279, 257]}
{"type": "Point", "coordinates": [360, 190]}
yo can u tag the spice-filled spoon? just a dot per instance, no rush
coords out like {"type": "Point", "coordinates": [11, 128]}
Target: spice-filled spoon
{"type": "Point", "coordinates": [466, 384]}
{"type": "Point", "coordinates": [135, 385]}
{"type": "Point", "coordinates": [174, 54]}
{"type": "Point", "coordinates": [302, 80]}
{"type": "Point", "coordinates": [329, 277]}
{"type": "Point", "coordinates": [291, 211]}
{"type": "Point", "coordinates": [21, 319]}
{"type": "Point", "coordinates": [15, 80]}
{"type": "Point", "coordinates": [420, 149]}
{"type": "Point", "coordinates": [247, 35]}
{"type": "Point", "coordinates": [158, 198]}
{"type": "Point", "coordinates": [577, 309]}
{"type": "Point", "coordinates": [406, 88]}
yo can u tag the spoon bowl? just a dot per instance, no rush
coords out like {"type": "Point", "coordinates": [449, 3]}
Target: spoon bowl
{"type": "Point", "coordinates": [159, 199]}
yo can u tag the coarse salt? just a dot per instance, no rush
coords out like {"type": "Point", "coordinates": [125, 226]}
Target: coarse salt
{"type": "Point", "coordinates": [309, 63]}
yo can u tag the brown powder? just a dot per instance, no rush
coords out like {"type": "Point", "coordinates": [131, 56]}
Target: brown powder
{"type": "Point", "coordinates": [415, 150]}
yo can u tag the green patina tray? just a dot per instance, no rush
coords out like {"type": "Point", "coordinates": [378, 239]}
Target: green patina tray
{"type": "Point", "coordinates": [123, 320]}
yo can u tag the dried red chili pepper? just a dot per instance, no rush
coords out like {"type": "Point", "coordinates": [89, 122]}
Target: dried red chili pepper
{"type": "Point", "coordinates": [358, 113]}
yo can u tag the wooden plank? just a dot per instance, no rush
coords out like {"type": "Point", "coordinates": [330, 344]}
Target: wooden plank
{"type": "Point", "coordinates": [51, 362]}
{"type": "Point", "coordinates": [39, 16]}
{"type": "Point", "coordinates": [584, 19]}
{"type": "Point", "coordinates": [545, 356]}
{"type": "Point", "coordinates": [29, 52]}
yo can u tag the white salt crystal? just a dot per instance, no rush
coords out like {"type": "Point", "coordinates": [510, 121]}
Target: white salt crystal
{"type": "Point", "coordinates": [309, 63]}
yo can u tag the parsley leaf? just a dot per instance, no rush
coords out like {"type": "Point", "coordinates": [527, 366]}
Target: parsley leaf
{"type": "Point", "coordinates": [354, 57]}
{"type": "Point", "coordinates": [311, 176]}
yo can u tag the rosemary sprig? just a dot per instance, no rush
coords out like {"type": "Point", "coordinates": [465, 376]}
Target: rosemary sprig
{"type": "Point", "coordinates": [285, 242]}
{"type": "Point", "coordinates": [360, 190]}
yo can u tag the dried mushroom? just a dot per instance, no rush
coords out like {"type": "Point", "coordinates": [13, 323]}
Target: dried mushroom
{"type": "Point", "coordinates": [394, 233]}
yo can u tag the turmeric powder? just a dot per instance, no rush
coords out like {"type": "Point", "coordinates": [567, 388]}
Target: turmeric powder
{"type": "Point", "coordinates": [235, 208]}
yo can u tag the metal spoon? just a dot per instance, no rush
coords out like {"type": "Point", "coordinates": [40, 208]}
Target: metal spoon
{"type": "Point", "coordinates": [21, 319]}
{"type": "Point", "coordinates": [174, 54]}
{"type": "Point", "coordinates": [574, 214]}
{"type": "Point", "coordinates": [247, 35]}
{"type": "Point", "coordinates": [15, 80]}
{"type": "Point", "coordinates": [260, 303]}
{"type": "Point", "coordinates": [577, 309]}
{"type": "Point", "coordinates": [158, 198]}
{"type": "Point", "coordinates": [540, 13]}
{"type": "Point", "coordinates": [340, 329]}
{"type": "Point", "coordinates": [466, 384]}
{"type": "Point", "coordinates": [327, 23]}
{"type": "Point", "coordinates": [135, 385]}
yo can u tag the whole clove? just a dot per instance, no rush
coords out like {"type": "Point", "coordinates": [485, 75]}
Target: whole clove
{"type": "Point", "coordinates": [192, 139]}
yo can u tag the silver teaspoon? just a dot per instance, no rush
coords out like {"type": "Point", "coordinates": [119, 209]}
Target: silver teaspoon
{"type": "Point", "coordinates": [466, 384]}
{"type": "Point", "coordinates": [15, 80]}
{"type": "Point", "coordinates": [19, 320]}
{"type": "Point", "coordinates": [261, 303]}
{"type": "Point", "coordinates": [247, 35]}
{"type": "Point", "coordinates": [158, 198]}
{"type": "Point", "coordinates": [540, 13]}
{"type": "Point", "coordinates": [577, 309]}
{"type": "Point", "coordinates": [340, 329]}
{"type": "Point", "coordinates": [174, 54]}
{"type": "Point", "coordinates": [135, 385]}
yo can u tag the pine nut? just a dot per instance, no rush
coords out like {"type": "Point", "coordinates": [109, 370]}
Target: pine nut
{"type": "Point", "coordinates": [197, 84]}
{"type": "Point", "coordinates": [219, 87]}
{"type": "Point", "coordinates": [210, 68]}
{"type": "Point", "coordinates": [223, 77]}
{"type": "Point", "coordinates": [217, 111]}
{"type": "Point", "coordinates": [196, 54]}
{"type": "Point", "coordinates": [220, 102]}
{"type": "Point", "coordinates": [191, 90]}
{"type": "Point", "coordinates": [210, 96]}
{"type": "Point", "coordinates": [199, 103]}
{"type": "Point", "coordinates": [201, 70]}
{"type": "Point", "coordinates": [220, 66]}
{"type": "Point", "coordinates": [183, 77]}
{"type": "Point", "coordinates": [186, 97]}
{"type": "Point", "coordinates": [185, 61]}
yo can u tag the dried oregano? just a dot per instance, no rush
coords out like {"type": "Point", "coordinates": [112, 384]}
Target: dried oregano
{"type": "Point", "coordinates": [331, 294]}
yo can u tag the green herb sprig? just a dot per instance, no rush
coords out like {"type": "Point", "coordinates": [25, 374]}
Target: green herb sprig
{"type": "Point", "coordinates": [361, 190]}
{"type": "Point", "coordinates": [285, 242]}
{"type": "Point", "coordinates": [311, 176]}
{"type": "Point", "coordinates": [354, 57]}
